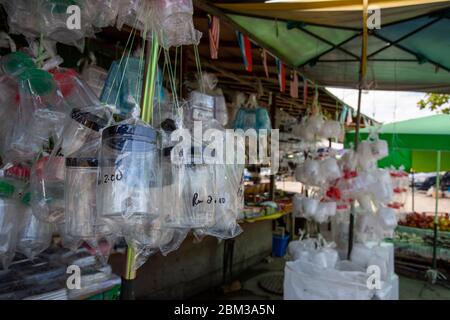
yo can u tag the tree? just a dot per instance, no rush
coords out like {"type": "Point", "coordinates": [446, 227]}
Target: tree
{"type": "Point", "coordinates": [436, 102]}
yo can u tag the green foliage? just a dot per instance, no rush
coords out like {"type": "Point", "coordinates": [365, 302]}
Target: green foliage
{"type": "Point", "coordinates": [436, 102]}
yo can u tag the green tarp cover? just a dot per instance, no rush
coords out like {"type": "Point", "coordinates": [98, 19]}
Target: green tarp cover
{"type": "Point", "coordinates": [411, 55]}
{"type": "Point", "coordinates": [413, 143]}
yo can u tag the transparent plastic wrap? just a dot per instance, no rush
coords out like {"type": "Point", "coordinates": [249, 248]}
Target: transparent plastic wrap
{"type": "Point", "coordinates": [131, 13]}
{"type": "Point", "coordinates": [82, 127]}
{"type": "Point", "coordinates": [40, 116]}
{"type": "Point", "coordinates": [175, 23]}
{"type": "Point", "coordinates": [130, 176]}
{"type": "Point", "coordinates": [22, 17]}
{"type": "Point", "coordinates": [332, 130]}
{"type": "Point", "coordinates": [315, 123]}
{"type": "Point", "coordinates": [252, 118]}
{"type": "Point", "coordinates": [47, 189]}
{"type": "Point", "coordinates": [381, 190]}
{"type": "Point", "coordinates": [196, 187]}
{"type": "Point", "coordinates": [34, 235]}
{"type": "Point", "coordinates": [229, 201]}
{"type": "Point", "coordinates": [53, 20]}
{"type": "Point", "coordinates": [298, 205]}
{"type": "Point", "coordinates": [11, 219]}
{"type": "Point", "coordinates": [121, 88]}
{"type": "Point", "coordinates": [220, 110]}
{"type": "Point", "coordinates": [75, 91]}
{"type": "Point", "coordinates": [15, 63]}
{"type": "Point", "coordinates": [106, 12]}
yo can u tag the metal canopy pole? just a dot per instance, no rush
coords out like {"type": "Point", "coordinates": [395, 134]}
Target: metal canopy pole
{"type": "Point", "coordinates": [435, 225]}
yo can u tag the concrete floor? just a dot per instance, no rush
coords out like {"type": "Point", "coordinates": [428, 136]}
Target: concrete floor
{"type": "Point", "coordinates": [250, 289]}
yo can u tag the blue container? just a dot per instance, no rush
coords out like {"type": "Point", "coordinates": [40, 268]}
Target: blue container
{"type": "Point", "coordinates": [279, 245]}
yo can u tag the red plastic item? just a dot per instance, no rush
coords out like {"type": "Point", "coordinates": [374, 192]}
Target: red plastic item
{"type": "Point", "coordinates": [64, 78]}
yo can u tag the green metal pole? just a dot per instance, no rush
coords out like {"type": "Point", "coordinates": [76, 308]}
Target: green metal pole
{"type": "Point", "coordinates": [435, 225]}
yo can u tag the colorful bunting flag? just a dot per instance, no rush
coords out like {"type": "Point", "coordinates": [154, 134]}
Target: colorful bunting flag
{"type": "Point", "coordinates": [214, 36]}
{"type": "Point", "coordinates": [246, 50]}
{"type": "Point", "coordinates": [264, 58]}
{"type": "Point", "coordinates": [281, 75]}
{"type": "Point", "coordinates": [294, 85]}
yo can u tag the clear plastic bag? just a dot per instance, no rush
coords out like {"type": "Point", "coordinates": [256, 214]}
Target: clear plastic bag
{"type": "Point", "coordinates": [34, 235]}
{"type": "Point", "coordinates": [53, 20]}
{"type": "Point", "coordinates": [106, 12]}
{"type": "Point", "coordinates": [380, 149]}
{"type": "Point", "coordinates": [15, 63]}
{"type": "Point", "coordinates": [175, 23]}
{"type": "Point", "coordinates": [11, 218]}
{"type": "Point", "coordinates": [331, 130]}
{"type": "Point", "coordinates": [76, 93]}
{"type": "Point", "coordinates": [130, 175]}
{"type": "Point", "coordinates": [324, 211]}
{"type": "Point", "coordinates": [22, 17]}
{"type": "Point", "coordinates": [47, 189]}
{"type": "Point", "coordinates": [298, 204]}
{"type": "Point", "coordinates": [329, 169]}
{"type": "Point", "coordinates": [40, 116]}
{"type": "Point", "coordinates": [388, 218]}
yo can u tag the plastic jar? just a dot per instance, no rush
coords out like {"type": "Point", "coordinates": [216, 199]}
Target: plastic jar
{"type": "Point", "coordinates": [202, 106]}
{"type": "Point", "coordinates": [129, 172]}
{"type": "Point", "coordinates": [10, 221]}
{"type": "Point", "coordinates": [34, 235]}
{"type": "Point", "coordinates": [80, 197]}
{"type": "Point", "coordinates": [15, 63]}
{"type": "Point", "coordinates": [76, 93]}
{"type": "Point", "coordinates": [82, 126]}
{"type": "Point", "coordinates": [195, 185]}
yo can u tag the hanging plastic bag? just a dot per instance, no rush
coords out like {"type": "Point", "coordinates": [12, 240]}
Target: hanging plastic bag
{"type": "Point", "coordinates": [34, 235]}
{"type": "Point", "coordinates": [22, 17]}
{"type": "Point", "coordinates": [76, 93]}
{"type": "Point", "coordinates": [175, 23]}
{"type": "Point", "coordinates": [129, 175]}
{"type": "Point", "coordinates": [331, 130]}
{"type": "Point", "coordinates": [106, 12]}
{"type": "Point", "coordinates": [40, 116]}
{"type": "Point", "coordinates": [54, 22]}
{"type": "Point", "coordinates": [11, 219]}
{"type": "Point", "coordinates": [329, 169]}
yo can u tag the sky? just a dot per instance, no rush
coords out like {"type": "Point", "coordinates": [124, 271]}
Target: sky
{"type": "Point", "coordinates": [385, 106]}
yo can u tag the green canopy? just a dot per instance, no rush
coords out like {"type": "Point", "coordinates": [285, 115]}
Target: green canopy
{"type": "Point", "coordinates": [322, 40]}
{"type": "Point", "coordinates": [413, 143]}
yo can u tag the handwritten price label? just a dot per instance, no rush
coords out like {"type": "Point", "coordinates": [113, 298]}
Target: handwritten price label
{"type": "Point", "coordinates": [210, 200]}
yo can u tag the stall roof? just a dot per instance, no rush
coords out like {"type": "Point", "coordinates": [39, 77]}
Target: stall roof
{"type": "Point", "coordinates": [322, 39]}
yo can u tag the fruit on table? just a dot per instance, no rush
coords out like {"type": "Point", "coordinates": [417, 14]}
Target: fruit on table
{"type": "Point", "coordinates": [424, 221]}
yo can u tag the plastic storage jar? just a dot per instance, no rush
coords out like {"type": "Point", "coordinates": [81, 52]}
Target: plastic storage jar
{"type": "Point", "coordinates": [34, 235]}
{"type": "Point", "coordinates": [82, 126]}
{"type": "Point", "coordinates": [80, 197]}
{"type": "Point", "coordinates": [76, 93]}
{"type": "Point", "coordinates": [129, 173]}
{"type": "Point", "coordinates": [10, 221]}
{"type": "Point", "coordinates": [202, 106]}
{"type": "Point", "coordinates": [195, 184]}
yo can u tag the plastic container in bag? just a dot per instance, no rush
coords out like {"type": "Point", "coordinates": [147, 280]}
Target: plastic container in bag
{"type": "Point", "coordinates": [40, 115]}
{"type": "Point", "coordinates": [15, 63]}
{"type": "Point", "coordinates": [252, 118]}
{"type": "Point", "coordinates": [54, 18]}
{"type": "Point", "coordinates": [80, 197]}
{"type": "Point", "coordinates": [47, 189]}
{"type": "Point", "coordinates": [83, 126]}
{"type": "Point", "coordinates": [76, 93]}
{"type": "Point", "coordinates": [129, 173]}
{"type": "Point", "coordinates": [11, 218]}
{"type": "Point", "coordinates": [195, 184]}
{"type": "Point", "coordinates": [35, 235]}
{"type": "Point", "coordinates": [176, 26]}
{"type": "Point", "coordinates": [202, 106]}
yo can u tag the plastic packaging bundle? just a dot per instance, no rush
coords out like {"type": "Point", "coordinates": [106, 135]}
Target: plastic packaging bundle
{"type": "Point", "coordinates": [324, 211]}
{"type": "Point", "coordinates": [131, 13]}
{"type": "Point", "coordinates": [175, 23]}
{"type": "Point", "coordinates": [298, 205]}
{"type": "Point", "coordinates": [229, 201]}
{"type": "Point", "coordinates": [34, 235]}
{"type": "Point", "coordinates": [331, 130]}
{"type": "Point", "coordinates": [308, 172]}
{"type": "Point", "coordinates": [329, 169]}
{"type": "Point", "coordinates": [388, 218]}
{"type": "Point", "coordinates": [80, 198]}
{"type": "Point", "coordinates": [315, 124]}
{"type": "Point", "coordinates": [380, 149]}
{"type": "Point", "coordinates": [106, 12]}
{"type": "Point", "coordinates": [11, 219]}
{"type": "Point", "coordinates": [82, 127]}
{"type": "Point", "coordinates": [196, 184]}
{"type": "Point", "coordinates": [47, 189]}
{"type": "Point", "coordinates": [15, 63]}
{"type": "Point", "coordinates": [54, 18]}
{"type": "Point", "coordinates": [322, 255]}
{"type": "Point", "coordinates": [129, 176]}
{"type": "Point", "coordinates": [252, 118]}
{"type": "Point", "coordinates": [381, 190]}
{"type": "Point", "coordinates": [22, 17]}
{"type": "Point", "coordinates": [76, 93]}
{"type": "Point", "coordinates": [40, 115]}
